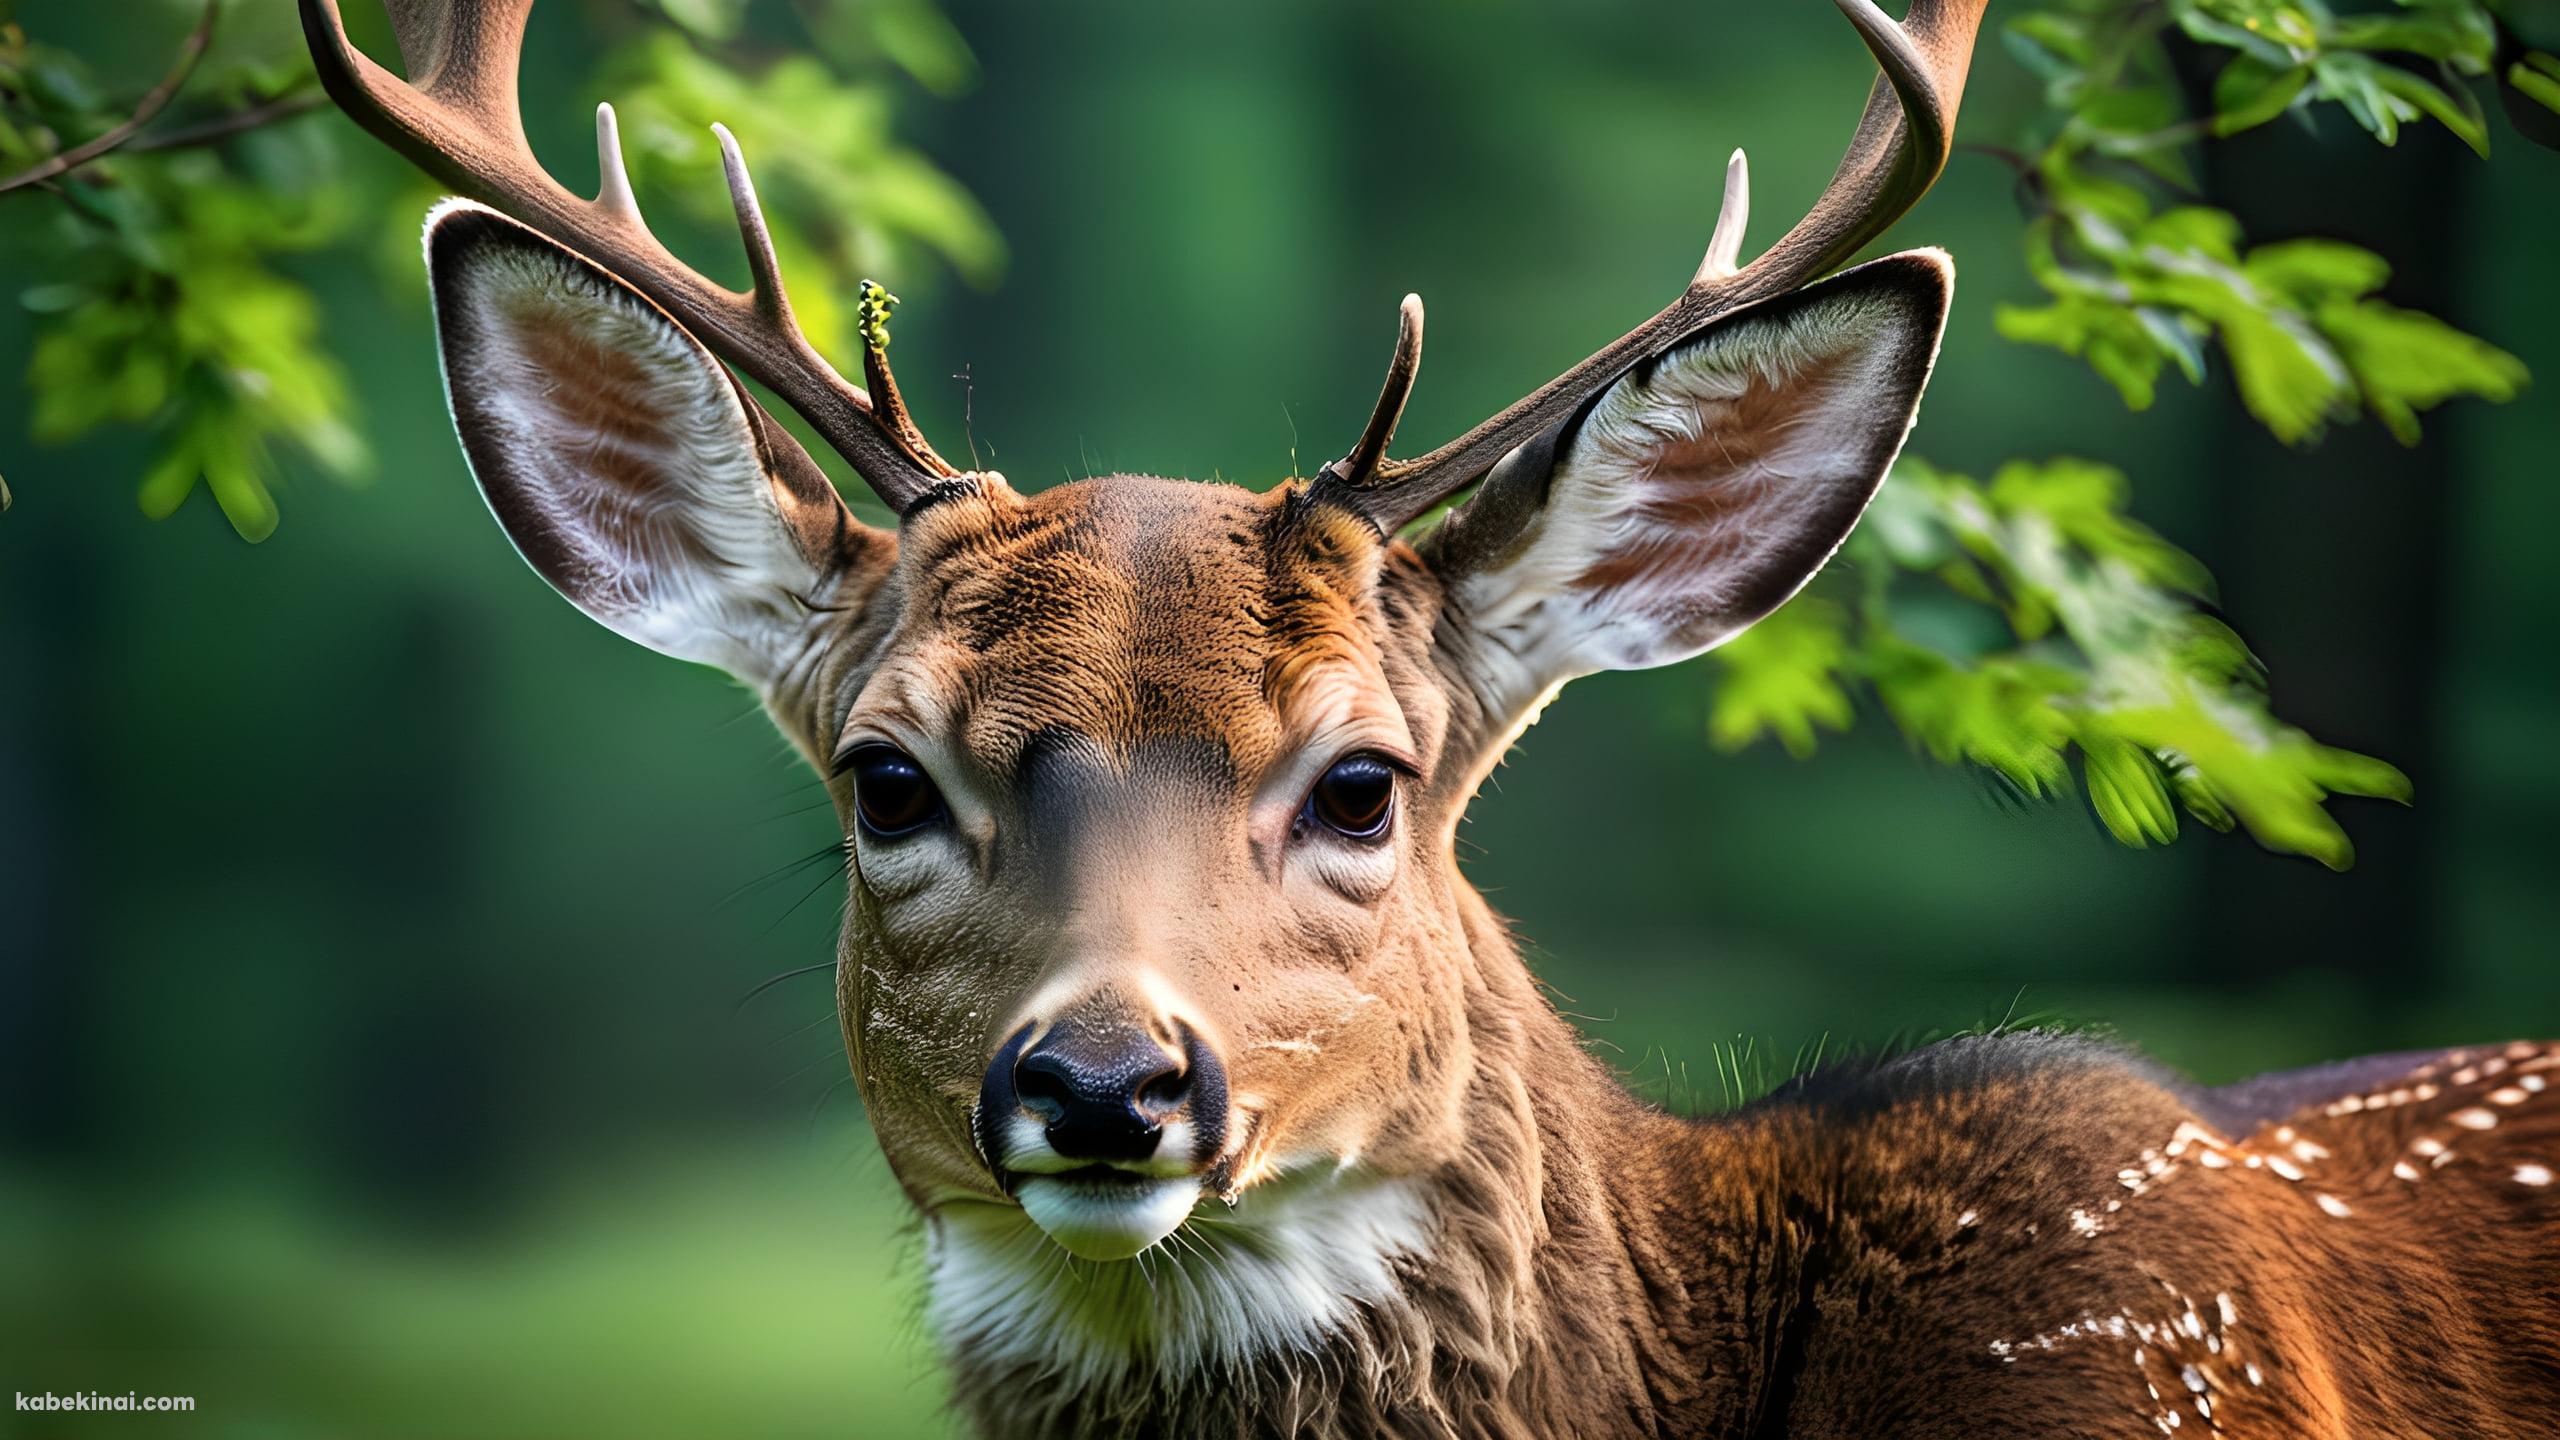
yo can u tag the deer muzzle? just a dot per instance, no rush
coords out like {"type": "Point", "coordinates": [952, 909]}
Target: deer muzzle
{"type": "Point", "coordinates": [1102, 1124]}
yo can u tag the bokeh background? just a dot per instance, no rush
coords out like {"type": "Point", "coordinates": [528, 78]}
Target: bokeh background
{"type": "Point", "coordinates": [373, 928]}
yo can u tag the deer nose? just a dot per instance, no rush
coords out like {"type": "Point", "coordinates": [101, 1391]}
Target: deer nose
{"type": "Point", "coordinates": [1106, 1093]}
{"type": "Point", "coordinates": [1105, 1097]}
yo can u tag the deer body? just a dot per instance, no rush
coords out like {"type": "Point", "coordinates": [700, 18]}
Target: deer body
{"type": "Point", "coordinates": [1229, 1107]}
{"type": "Point", "coordinates": [2019, 1235]}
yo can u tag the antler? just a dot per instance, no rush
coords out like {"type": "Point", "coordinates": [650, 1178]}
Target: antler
{"type": "Point", "coordinates": [1900, 146]}
{"type": "Point", "coordinates": [456, 118]}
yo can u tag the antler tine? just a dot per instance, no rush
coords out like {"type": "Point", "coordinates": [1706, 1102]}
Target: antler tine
{"type": "Point", "coordinates": [614, 195]}
{"type": "Point", "coordinates": [457, 120]}
{"type": "Point", "coordinates": [1356, 468]}
{"type": "Point", "coordinates": [888, 407]}
{"type": "Point", "coordinates": [1724, 247]}
{"type": "Point", "coordinates": [1899, 147]}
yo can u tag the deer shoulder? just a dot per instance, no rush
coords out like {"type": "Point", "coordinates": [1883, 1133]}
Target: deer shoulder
{"type": "Point", "coordinates": [2041, 1235]}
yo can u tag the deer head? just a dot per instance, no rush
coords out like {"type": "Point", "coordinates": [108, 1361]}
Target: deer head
{"type": "Point", "coordinates": [1150, 786]}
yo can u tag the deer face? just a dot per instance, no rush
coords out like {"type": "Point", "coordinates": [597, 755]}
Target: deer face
{"type": "Point", "coordinates": [1148, 853]}
{"type": "Point", "coordinates": [1150, 785]}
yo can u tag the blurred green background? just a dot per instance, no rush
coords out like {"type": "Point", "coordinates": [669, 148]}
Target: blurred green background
{"type": "Point", "coordinates": [373, 927]}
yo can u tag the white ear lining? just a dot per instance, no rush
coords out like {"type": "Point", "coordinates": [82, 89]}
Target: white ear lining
{"type": "Point", "coordinates": [611, 447]}
{"type": "Point", "coordinates": [1705, 487]}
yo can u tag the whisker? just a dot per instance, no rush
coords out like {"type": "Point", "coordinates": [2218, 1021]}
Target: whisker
{"type": "Point", "coordinates": [843, 868]}
{"type": "Point", "coordinates": [832, 1054]}
{"type": "Point", "coordinates": [797, 1031]}
{"type": "Point", "coordinates": [783, 872]}
{"type": "Point", "coordinates": [772, 980]}
{"type": "Point", "coordinates": [819, 1110]}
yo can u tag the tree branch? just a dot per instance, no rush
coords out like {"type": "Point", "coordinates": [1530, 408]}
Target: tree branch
{"type": "Point", "coordinates": [223, 127]}
{"type": "Point", "coordinates": [152, 104]}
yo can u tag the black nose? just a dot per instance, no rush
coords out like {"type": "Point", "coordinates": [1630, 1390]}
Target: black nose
{"type": "Point", "coordinates": [1104, 1091]}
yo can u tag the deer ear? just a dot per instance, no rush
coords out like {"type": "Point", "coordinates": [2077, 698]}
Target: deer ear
{"type": "Point", "coordinates": [1695, 494]}
{"type": "Point", "coordinates": [627, 466]}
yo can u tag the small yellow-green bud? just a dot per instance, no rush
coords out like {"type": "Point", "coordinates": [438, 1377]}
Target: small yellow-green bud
{"type": "Point", "coordinates": [871, 314]}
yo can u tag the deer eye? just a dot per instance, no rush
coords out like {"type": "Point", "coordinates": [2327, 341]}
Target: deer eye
{"type": "Point", "coordinates": [891, 792]}
{"type": "Point", "coordinates": [1354, 799]}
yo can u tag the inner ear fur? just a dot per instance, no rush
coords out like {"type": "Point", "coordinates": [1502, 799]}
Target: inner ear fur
{"type": "Point", "coordinates": [627, 466]}
{"type": "Point", "coordinates": [1696, 493]}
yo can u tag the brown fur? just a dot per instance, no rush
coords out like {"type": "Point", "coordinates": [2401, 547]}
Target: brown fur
{"type": "Point", "coordinates": [2013, 1235]}
{"type": "Point", "coordinates": [1458, 1223]}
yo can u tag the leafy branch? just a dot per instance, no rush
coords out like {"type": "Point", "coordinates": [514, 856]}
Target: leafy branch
{"type": "Point", "coordinates": [2012, 624]}
{"type": "Point", "coordinates": [165, 304]}
{"type": "Point", "coordinates": [2137, 287]}
{"type": "Point", "coordinates": [2016, 625]}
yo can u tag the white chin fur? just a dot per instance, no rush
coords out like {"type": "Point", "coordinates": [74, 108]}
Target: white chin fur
{"type": "Point", "coordinates": [1294, 1260]}
{"type": "Point", "coordinates": [1107, 1220]}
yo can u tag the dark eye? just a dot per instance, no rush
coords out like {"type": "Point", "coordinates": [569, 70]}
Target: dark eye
{"type": "Point", "coordinates": [1356, 798]}
{"type": "Point", "coordinates": [891, 792]}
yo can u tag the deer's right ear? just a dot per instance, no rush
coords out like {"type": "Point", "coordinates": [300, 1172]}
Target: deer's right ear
{"type": "Point", "coordinates": [627, 466]}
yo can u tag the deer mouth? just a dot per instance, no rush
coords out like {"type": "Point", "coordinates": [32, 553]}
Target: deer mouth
{"type": "Point", "coordinates": [1102, 1212]}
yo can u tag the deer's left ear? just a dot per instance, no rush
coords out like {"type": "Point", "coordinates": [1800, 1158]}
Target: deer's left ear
{"type": "Point", "coordinates": [1694, 495]}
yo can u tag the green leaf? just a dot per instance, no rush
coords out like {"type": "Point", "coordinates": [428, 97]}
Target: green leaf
{"type": "Point", "coordinates": [2178, 337]}
{"type": "Point", "coordinates": [2312, 272]}
{"type": "Point", "coordinates": [2273, 35]}
{"type": "Point", "coordinates": [2458, 111]}
{"type": "Point", "coordinates": [2288, 376]}
{"type": "Point", "coordinates": [2000, 713]}
{"type": "Point", "coordinates": [2360, 83]}
{"type": "Point", "coordinates": [2250, 92]}
{"type": "Point", "coordinates": [2085, 502]}
{"type": "Point", "coordinates": [2406, 361]}
{"type": "Point", "coordinates": [1781, 677]}
{"type": "Point", "coordinates": [2537, 78]}
{"type": "Point", "coordinates": [2460, 33]}
{"type": "Point", "coordinates": [2128, 792]}
{"type": "Point", "coordinates": [2119, 343]}
{"type": "Point", "coordinates": [2271, 778]}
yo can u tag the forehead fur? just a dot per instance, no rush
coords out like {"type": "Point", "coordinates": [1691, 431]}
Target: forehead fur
{"type": "Point", "coordinates": [1126, 609]}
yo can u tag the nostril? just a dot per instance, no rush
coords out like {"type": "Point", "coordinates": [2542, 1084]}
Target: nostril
{"type": "Point", "coordinates": [1044, 1084]}
{"type": "Point", "coordinates": [1164, 1093]}
{"type": "Point", "coordinates": [1100, 1094]}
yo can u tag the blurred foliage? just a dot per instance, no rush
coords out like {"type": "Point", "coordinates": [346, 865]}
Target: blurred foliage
{"type": "Point", "coordinates": [2101, 646]}
{"type": "Point", "coordinates": [2094, 644]}
{"type": "Point", "coordinates": [160, 297]}
{"type": "Point", "coordinates": [162, 285]}
{"type": "Point", "coordinates": [166, 302]}
{"type": "Point", "coordinates": [2137, 287]}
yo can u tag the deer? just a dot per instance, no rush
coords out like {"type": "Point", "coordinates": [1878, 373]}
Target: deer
{"type": "Point", "coordinates": [1228, 1107]}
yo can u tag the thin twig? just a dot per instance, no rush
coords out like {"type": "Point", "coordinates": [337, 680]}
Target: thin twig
{"type": "Point", "coordinates": [152, 104]}
{"type": "Point", "coordinates": [2001, 153]}
{"type": "Point", "coordinates": [223, 127]}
